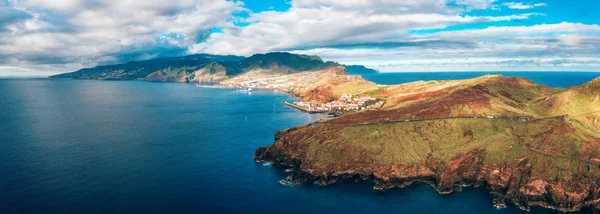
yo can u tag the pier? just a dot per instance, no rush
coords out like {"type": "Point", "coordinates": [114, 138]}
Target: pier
{"type": "Point", "coordinates": [305, 109]}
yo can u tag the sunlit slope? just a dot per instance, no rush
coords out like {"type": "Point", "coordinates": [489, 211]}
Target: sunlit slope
{"type": "Point", "coordinates": [532, 144]}
{"type": "Point", "coordinates": [491, 95]}
{"type": "Point", "coordinates": [576, 101]}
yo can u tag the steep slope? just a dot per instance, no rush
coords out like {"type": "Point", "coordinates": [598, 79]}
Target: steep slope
{"type": "Point", "coordinates": [284, 63]}
{"type": "Point", "coordinates": [129, 71]}
{"type": "Point", "coordinates": [574, 102]}
{"type": "Point", "coordinates": [442, 135]}
{"type": "Point", "coordinates": [331, 86]}
{"type": "Point", "coordinates": [580, 103]}
{"type": "Point", "coordinates": [213, 71]}
{"type": "Point", "coordinates": [170, 68]}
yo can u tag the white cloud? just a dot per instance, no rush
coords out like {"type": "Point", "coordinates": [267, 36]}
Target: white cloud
{"type": "Point", "coordinates": [563, 46]}
{"type": "Point", "coordinates": [476, 4]}
{"type": "Point", "coordinates": [382, 38]}
{"type": "Point", "coordinates": [480, 59]}
{"type": "Point", "coordinates": [575, 40]}
{"type": "Point", "coordinates": [563, 27]}
{"type": "Point", "coordinates": [45, 35]}
{"type": "Point", "coordinates": [312, 23]}
{"type": "Point", "coordinates": [523, 6]}
{"type": "Point", "coordinates": [88, 32]}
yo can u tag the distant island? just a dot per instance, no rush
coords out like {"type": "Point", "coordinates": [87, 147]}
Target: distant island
{"type": "Point", "coordinates": [359, 70]}
{"type": "Point", "coordinates": [529, 144]}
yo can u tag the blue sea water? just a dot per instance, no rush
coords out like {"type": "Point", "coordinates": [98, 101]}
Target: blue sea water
{"type": "Point", "coordinates": [80, 146]}
{"type": "Point", "coordinates": [554, 79]}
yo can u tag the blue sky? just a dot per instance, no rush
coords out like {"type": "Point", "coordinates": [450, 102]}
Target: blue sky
{"type": "Point", "coordinates": [258, 6]}
{"type": "Point", "coordinates": [44, 37]}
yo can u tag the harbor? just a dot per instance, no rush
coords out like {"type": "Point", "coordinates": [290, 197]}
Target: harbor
{"type": "Point", "coordinates": [304, 109]}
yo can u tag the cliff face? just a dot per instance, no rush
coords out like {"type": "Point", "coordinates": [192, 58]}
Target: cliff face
{"type": "Point", "coordinates": [491, 133]}
{"type": "Point", "coordinates": [169, 68]}
{"type": "Point", "coordinates": [284, 63]}
{"type": "Point", "coordinates": [319, 94]}
{"type": "Point", "coordinates": [213, 71]}
{"type": "Point", "coordinates": [324, 89]}
{"type": "Point", "coordinates": [167, 75]}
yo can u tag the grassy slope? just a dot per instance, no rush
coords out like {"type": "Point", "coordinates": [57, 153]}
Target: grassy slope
{"type": "Point", "coordinates": [558, 147]}
{"type": "Point", "coordinates": [504, 140]}
{"type": "Point", "coordinates": [488, 95]}
{"type": "Point", "coordinates": [561, 146]}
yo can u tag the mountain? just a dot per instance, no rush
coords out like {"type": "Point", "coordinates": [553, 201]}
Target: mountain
{"type": "Point", "coordinates": [284, 63]}
{"type": "Point", "coordinates": [359, 70]}
{"type": "Point", "coordinates": [142, 69]}
{"type": "Point", "coordinates": [204, 68]}
{"type": "Point", "coordinates": [529, 144]}
{"type": "Point", "coordinates": [212, 71]}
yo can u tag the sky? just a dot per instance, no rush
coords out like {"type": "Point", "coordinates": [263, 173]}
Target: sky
{"type": "Point", "coordinates": [45, 37]}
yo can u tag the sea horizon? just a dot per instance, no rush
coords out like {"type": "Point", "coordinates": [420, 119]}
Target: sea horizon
{"type": "Point", "coordinates": [381, 72]}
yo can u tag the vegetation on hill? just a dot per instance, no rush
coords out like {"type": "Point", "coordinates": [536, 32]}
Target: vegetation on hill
{"type": "Point", "coordinates": [285, 63]}
{"type": "Point", "coordinates": [531, 145]}
{"type": "Point", "coordinates": [203, 68]}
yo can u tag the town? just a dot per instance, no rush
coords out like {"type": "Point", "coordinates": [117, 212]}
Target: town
{"type": "Point", "coordinates": [285, 83]}
{"type": "Point", "coordinates": [347, 102]}
{"type": "Point", "coordinates": [300, 82]}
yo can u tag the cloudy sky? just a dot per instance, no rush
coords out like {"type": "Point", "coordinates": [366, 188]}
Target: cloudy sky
{"type": "Point", "coordinates": [44, 37]}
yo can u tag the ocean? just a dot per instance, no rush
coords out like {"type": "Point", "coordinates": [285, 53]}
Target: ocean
{"type": "Point", "coordinates": [84, 146]}
{"type": "Point", "coordinates": [554, 79]}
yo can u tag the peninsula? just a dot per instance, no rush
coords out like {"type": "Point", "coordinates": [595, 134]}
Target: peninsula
{"type": "Point", "coordinates": [529, 144]}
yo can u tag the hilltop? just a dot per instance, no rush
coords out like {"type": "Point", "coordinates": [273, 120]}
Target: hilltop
{"type": "Point", "coordinates": [529, 144]}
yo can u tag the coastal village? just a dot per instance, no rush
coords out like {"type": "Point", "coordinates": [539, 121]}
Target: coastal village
{"type": "Point", "coordinates": [278, 82]}
{"type": "Point", "coordinates": [347, 102]}
{"type": "Point", "coordinates": [300, 82]}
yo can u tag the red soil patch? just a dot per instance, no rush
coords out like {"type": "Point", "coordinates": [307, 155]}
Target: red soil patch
{"type": "Point", "coordinates": [320, 94]}
{"type": "Point", "coordinates": [424, 95]}
{"type": "Point", "coordinates": [473, 98]}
